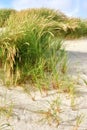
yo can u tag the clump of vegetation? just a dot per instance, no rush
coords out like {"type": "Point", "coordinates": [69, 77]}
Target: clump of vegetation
{"type": "Point", "coordinates": [6, 111]}
{"type": "Point", "coordinates": [52, 114]}
{"type": "Point", "coordinates": [79, 121]}
{"type": "Point", "coordinates": [4, 15]}
{"type": "Point", "coordinates": [30, 47]}
{"type": "Point", "coordinates": [76, 28]}
{"type": "Point", "coordinates": [46, 13]}
{"type": "Point", "coordinates": [5, 126]}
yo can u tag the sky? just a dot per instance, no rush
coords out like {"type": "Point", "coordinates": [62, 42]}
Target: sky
{"type": "Point", "coordinates": [74, 8]}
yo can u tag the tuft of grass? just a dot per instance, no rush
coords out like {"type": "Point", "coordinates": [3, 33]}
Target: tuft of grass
{"type": "Point", "coordinates": [30, 47]}
{"type": "Point", "coordinates": [33, 52]}
{"type": "Point", "coordinates": [52, 114]}
{"type": "Point", "coordinates": [79, 121]}
{"type": "Point", "coordinates": [6, 110]}
{"type": "Point", "coordinates": [5, 126]}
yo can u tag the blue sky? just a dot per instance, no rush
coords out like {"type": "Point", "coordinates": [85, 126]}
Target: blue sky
{"type": "Point", "coordinates": [75, 8]}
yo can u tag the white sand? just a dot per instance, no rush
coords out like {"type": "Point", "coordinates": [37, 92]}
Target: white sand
{"type": "Point", "coordinates": [23, 117]}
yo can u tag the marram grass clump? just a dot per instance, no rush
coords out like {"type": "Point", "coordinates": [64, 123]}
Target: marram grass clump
{"type": "Point", "coordinates": [30, 47]}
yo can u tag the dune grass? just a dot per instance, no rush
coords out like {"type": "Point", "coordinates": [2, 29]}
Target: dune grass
{"type": "Point", "coordinates": [30, 48]}
{"type": "Point", "coordinates": [4, 15]}
{"type": "Point", "coordinates": [32, 52]}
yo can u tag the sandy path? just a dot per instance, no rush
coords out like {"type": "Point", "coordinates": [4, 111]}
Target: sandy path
{"type": "Point", "coordinates": [23, 117]}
